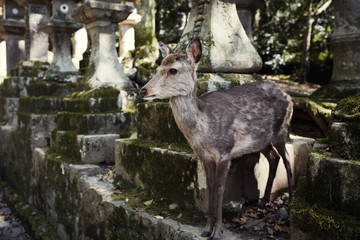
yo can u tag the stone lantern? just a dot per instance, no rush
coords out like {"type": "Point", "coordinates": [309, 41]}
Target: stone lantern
{"type": "Point", "coordinates": [60, 28]}
{"type": "Point", "coordinates": [13, 29]}
{"type": "Point", "coordinates": [101, 20]}
{"type": "Point", "coordinates": [226, 47]}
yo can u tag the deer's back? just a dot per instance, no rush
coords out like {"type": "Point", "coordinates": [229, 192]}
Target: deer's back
{"type": "Point", "coordinates": [248, 115]}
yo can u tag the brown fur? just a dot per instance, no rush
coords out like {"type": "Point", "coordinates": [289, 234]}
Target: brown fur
{"type": "Point", "coordinates": [223, 125]}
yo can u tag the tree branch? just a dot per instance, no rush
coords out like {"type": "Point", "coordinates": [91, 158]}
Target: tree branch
{"type": "Point", "coordinates": [322, 8]}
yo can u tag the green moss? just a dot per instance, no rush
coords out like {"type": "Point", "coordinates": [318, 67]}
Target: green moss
{"type": "Point", "coordinates": [333, 93]}
{"type": "Point", "coordinates": [34, 220]}
{"type": "Point", "coordinates": [155, 121]}
{"type": "Point", "coordinates": [318, 222]}
{"type": "Point", "coordinates": [349, 108]}
{"type": "Point", "coordinates": [64, 146]}
{"type": "Point", "coordinates": [50, 88]}
{"type": "Point", "coordinates": [41, 105]}
{"type": "Point", "coordinates": [139, 158]}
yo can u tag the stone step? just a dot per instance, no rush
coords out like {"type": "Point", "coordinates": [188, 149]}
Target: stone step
{"type": "Point", "coordinates": [315, 221]}
{"type": "Point", "coordinates": [52, 88]}
{"type": "Point", "coordinates": [41, 105]}
{"type": "Point", "coordinates": [94, 101]}
{"type": "Point", "coordinates": [155, 121]}
{"type": "Point", "coordinates": [333, 183]}
{"type": "Point", "coordinates": [92, 149]}
{"type": "Point", "coordinates": [72, 194]}
{"type": "Point", "coordinates": [142, 162]}
{"type": "Point", "coordinates": [8, 110]}
{"type": "Point", "coordinates": [97, 123]}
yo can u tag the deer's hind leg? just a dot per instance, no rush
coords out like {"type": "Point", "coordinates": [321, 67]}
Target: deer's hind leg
{"type": "Point", "coordinates": [280, 146]}
{"type": "Point", "coordinates": [273, 157]}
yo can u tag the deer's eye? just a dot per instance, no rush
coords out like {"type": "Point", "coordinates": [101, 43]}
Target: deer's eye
{"type": "Point", "coordinates": [172, 71]}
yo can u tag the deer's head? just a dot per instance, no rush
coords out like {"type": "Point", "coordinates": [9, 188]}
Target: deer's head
{"type": "Point", "coordinates": [176, 76]}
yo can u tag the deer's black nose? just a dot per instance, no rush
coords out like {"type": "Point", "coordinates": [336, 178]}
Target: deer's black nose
{"type": "Point", "coordinates": [143, 92]}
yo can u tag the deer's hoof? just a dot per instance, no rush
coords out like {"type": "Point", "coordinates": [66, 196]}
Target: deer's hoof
{"type": "Point", "coordinates": [206, 234]}
{"type": "Point", "coordinates": [214, 238]}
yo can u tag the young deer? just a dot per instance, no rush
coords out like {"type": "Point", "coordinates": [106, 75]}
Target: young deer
{"type": "Point", "coordinates": [223, 125]}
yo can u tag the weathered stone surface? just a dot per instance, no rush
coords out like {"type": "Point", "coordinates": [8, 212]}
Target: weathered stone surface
{"type": "Point", "coordinates": [116, 122]}
{"type": "Point", "coordinates": [225, 45]}
{"type": "Point", "coordinates": [42, 105]}
{"type": "Point", "coordinates": [8, 110]}
{"type": "Point", "coordinates": [95, 149]}
{"type": "Point", "coordinates": [141, 162]}
{"type": "Point", "coordinates": [101, 19]}
{"type": "Point", "coordinates": [334, 183]}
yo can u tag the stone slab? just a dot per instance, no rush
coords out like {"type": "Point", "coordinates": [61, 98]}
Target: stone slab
{"type": "Point", "coordinates": [95, 149]}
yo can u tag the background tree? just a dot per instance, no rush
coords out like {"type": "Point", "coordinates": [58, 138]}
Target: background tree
{"type": "Point", "coordinates": [279, 33]}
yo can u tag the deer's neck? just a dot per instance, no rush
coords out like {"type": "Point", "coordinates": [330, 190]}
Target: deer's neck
{"type": "Point", "coordinates": [187, 113]}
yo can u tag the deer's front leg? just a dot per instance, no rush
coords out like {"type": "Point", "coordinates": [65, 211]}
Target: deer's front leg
{"type": "Point", "coordinates": [210, 168]}
{"type": "Point", "coordinates": [222, 171]}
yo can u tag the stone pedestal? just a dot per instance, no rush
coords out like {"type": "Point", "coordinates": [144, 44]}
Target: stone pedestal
{"type": "Point", "coordinates": [226, 47]}
{"type": "Point", "coordinates": [245, 10]}
{"type": "Point", "coordinates": [80, 44]}
{"type": "Point", "coordinates": [101, 21]}
{"type": "Point", "coordinates": [13, 26]}
{"type": "Point", "coordinates": [37, 43]}
{"type": "Point", "coordinates": [345, 41]}
{"type": "Point", "coordinates": [60, 28]}
{"type": "Point", "coordinates": [127, 33]}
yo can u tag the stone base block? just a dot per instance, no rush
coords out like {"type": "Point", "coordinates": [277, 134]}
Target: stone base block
{"type": "Point", "coordinates": [8, 109]}
{"type": "Point", "coordinates": [313, 221]}
{"type": "Point", "coordinates": [52, 88]}
{"type": "Point", "coordinates": [333, 183]}
{"type": "Point", "coordinates": [95, 149]}
{"type": "Point", "coordinates": [99, 123]}
{"type": "Point", "coordinates": [94, 101]}
{"type": "Point", "coordinates": [179, 175]}
{"type": "Point", "coordinates": [42, 105]}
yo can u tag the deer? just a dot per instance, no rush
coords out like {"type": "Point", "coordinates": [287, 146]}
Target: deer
{"type": "Point", "coordinates": [223, 125]}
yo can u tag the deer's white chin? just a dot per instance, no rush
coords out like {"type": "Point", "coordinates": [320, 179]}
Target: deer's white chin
{"type": "Point", "coordinates": [150, 98]}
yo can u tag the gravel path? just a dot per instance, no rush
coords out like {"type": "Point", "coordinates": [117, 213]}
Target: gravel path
{"type": "Point", "coordinates": [10, 226]}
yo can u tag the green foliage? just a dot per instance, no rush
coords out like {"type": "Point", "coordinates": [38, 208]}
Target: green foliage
{"type": "Point", "coordinates": [170, 19]}
{"type": "Point", "coordinates": [280, 33]}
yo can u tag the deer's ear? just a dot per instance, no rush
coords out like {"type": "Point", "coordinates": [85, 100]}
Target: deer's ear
{"type": "Point", "coordinates": [165, 49]}
{"type": "Point", "coordinates": [193, 51]}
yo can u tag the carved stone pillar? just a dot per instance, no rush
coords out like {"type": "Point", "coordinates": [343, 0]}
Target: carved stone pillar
{"type": "Point", "coordinates": [127, 33]}
{"type": "Point", "coordinates": [60, 28]}
{"type": "Point", "coordinates": [13, 26]}
{"type": "Point", "coordinates": [101, 21]}
{"type": "Point", "coordinates": [37, 43]}
{"type": "Point", "coordinates": [226, 47]}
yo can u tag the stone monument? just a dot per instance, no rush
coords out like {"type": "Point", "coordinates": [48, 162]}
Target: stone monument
{"type": "Point", "coordinates": [101, 20]}
{"type": "Point", "coordinates": [226, 47]}
{"type": "Point", "coordinates": [60, 28]}
{"type": "Point", "coordinates": [345, 41]}
{"type": "Point", "coordinates": [36, 41]}
{"type": "Point", "coordinates": [13, 25]}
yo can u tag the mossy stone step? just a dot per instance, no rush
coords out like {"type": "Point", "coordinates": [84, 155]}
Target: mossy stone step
{"type": "Point", "coordinates": [155, 121]}
{"type": "Point", "coordinates": [65, 145]}
{"type": "Point", "coordinates": [42, 105]}
{"type": "Point", "coordinates": [333, 183]}
{"type": "Point", "coordinates": [16, 86]}
{"type": "Point", "coordinates": [98, 123]}
{"type": "Point", "coordinates": [94, 101]}
{"type": "Point", "coordinates": [52, 88]}
{"type": "Point", "coordinates": [30, 68]}
{"type": "Point", "coordinates": [172, 174]}
{"type": "Point", "coordinates": [313, 221]}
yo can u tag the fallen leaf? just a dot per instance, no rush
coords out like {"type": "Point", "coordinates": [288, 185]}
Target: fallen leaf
{"type": "Point", "coordinates": [117, 191]}
{"type": "Point", "coordinates": [179, 216]}
{"type": "Point", "coordinates": [136, 195]}
{"type": "Point", "coordinates": [148, 203]}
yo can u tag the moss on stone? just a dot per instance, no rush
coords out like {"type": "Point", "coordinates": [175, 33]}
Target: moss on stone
{"type": "Point", "coordinates": [34, 220]}
{"type": "Point", "coordinates": [41, 105]}
{"type": "Point", "coordinates": [64, 146]}
{"type": "Point", "coordinates": [348, 109]}
{"type": "Point", "coordinates": [52, 88]}
{"type": "Point", "coordinates": [140, 159]}
{"type": "Point", "coordinates": [316, 222]}
{"type": "Point", "coordinates": [155, 121]}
